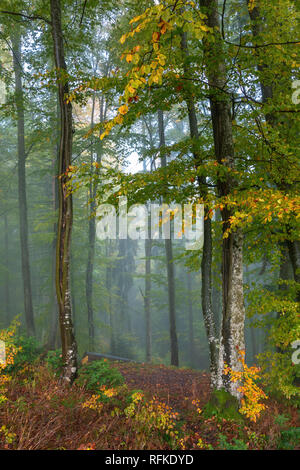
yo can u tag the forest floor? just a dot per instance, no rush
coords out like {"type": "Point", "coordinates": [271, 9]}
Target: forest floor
{"type": "Point", "coordinates": [40, 413]}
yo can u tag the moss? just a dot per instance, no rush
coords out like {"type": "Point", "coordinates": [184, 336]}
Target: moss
{"type": "Point", "coordinates": [222, 405]}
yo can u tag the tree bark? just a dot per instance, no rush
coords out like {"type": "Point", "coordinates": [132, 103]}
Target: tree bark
{"type": "Point", "coordinates": [233, 317]}
{"type": "Point", "coordinates": [169, 260]}
{"type": "Point", "coordinates": [91, 251]}
{"type": "Point", "coordinates": [190, 321]}
{"type": "Point", "coordinates": [22, 195]}
{"type": "Point", "coordinates": [7, 272]}
{"type": "Point", "coordinates": [51, 342]}
{"type": "Point", "coordinates": [65, 217]}
{"type": "Point", "coordinates": [147, 303]}
{"type": "Point", "coordinates": [206, 263]}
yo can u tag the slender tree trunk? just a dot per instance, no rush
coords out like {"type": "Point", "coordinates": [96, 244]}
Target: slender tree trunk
{"type": "Point", "coordinates": [54, 309]}
{"type": "Point", "coordinates": [147, 300]}
{"type": "Point", "coordinates": [233, 318]}
{"type": "Point", "coordinates": [91, 252]}
{"type": "Point", "coordinates": [170, 264]}
{"type": "Point", "coordinates": [51, 343]}
{"type": "Point", "coordinates": [110, 303]}
{"type": "Point", "coordinates": [190, 320]}
{"type": "Point", "coordinates": [64, 225]}
{"type": "Point", "coordinates": [7, 272]}
{"type": "Point", "coordinates": [17, 62]}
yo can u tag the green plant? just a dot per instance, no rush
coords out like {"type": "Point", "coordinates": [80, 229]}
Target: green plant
{"type": "Point", "coordinates": [225, 445]}
{"type": "Point", "coordinates": [54, 361]}
{"type": "Point", "coordinates": [289, 439]}
{"type": "Point", "coordinates": [28, 353]}
{"type": "Point", "coordinates": [281, 420]}
{"type": "Point", "coordinates": [222, 405]}
{"type": "Point", "coordinates": [98, 374]}
{"type": "Point", "coordinates": [21, 404]}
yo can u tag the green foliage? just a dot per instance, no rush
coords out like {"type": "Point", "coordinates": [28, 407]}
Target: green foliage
{"type": "Point", "coordinates": [28, 353]}
{"type": "Point", "coordinates": [225, 445]}
{"type": "Point", "coordinates": [289, 439]}
{"type": "Point", "coordinates": [223, 406]}
{"type": "Point", "coordinates": [54, 361]}
{"type": "Point", "coordinates": [281, 420]}
{"type": "Point", "coordinates": [97, 374]}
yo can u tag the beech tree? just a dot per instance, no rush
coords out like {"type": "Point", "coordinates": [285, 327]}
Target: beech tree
{"type": "Point", "coordinates": [65, 216]}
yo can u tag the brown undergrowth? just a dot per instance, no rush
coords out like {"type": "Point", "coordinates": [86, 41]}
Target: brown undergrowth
{"type": "Point", "coordinates": [42, 414]}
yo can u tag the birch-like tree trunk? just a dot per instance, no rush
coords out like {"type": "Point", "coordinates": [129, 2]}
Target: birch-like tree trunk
{"type": "Point", "coordinates": [206, 263]}
{"type": "Point", "coordinates": [233, 315]}
{"type": "Point", "coordinates": [65, 217]}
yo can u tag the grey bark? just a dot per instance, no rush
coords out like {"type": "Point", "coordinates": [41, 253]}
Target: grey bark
{"type": "Point", "coordinates": [147, 299]}
{"type": "Point", "coordinates": [190, 321]}
{"type": "Point", "coordinates": [22, 195]}
{"type": "Point", "coordinates": [169, 260]}
{"type": "Point", "coordinates": [206, 263]}
{"type": "Point", "coordinates": [233, 317]}
{"type": "Point", "coordinates": [7, 272]}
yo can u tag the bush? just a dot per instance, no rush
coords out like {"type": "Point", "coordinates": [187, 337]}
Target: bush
{"type": "Point", "coordinates": [28, 352]}
{"type": "Point", "coordinates": [289, 439]}
{"type": "Point", "coordinates": [238, 444]}
{"type": "Point", "coordinates": [97, 374]}
{"type": "Point", "coordinates": [54, 361]}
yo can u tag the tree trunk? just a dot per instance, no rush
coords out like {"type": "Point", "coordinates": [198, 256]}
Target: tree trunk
{"type": "Point", "coordinates": [54, 309]}
{"type": "Point", "coordinates": [7, 272]}
{"type": "Point", "coordinates": [51, 343]}
{"type": "Point", "coordinates": [17, 63]}
{"type": "Point", "coordinates": [91, 252]}
{"type": "Point", "coordinates": [190, 321]}
{"type": "Point", "coordinates": [206, 264]}
{"type": "Point", "coordinates": [147, 303]}
{"type": "Point", "coordinates": [233, 317]}
{"type": "Point", "coordinates": [64, 225]}
{"type": "Point", "coordinates": [169, 260]}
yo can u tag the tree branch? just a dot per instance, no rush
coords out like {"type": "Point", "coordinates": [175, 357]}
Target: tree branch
{"type": "Point", "coordinates": [33, 17]}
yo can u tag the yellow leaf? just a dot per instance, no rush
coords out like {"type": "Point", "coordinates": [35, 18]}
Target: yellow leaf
{"type": "Point", "coordinates": [123, 109]}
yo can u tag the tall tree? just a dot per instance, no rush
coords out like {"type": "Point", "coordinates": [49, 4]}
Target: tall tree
{"type": "Point", "coordinates": [65, 216]}
{"type": "Point", "coordinates": [233, 318]}
{"type": "Point", "coordinates": [169, 259]}
{"type": "Point", "coordinates": [19, 96]}
{"type": "Point", "coordinates": [206, 263]}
